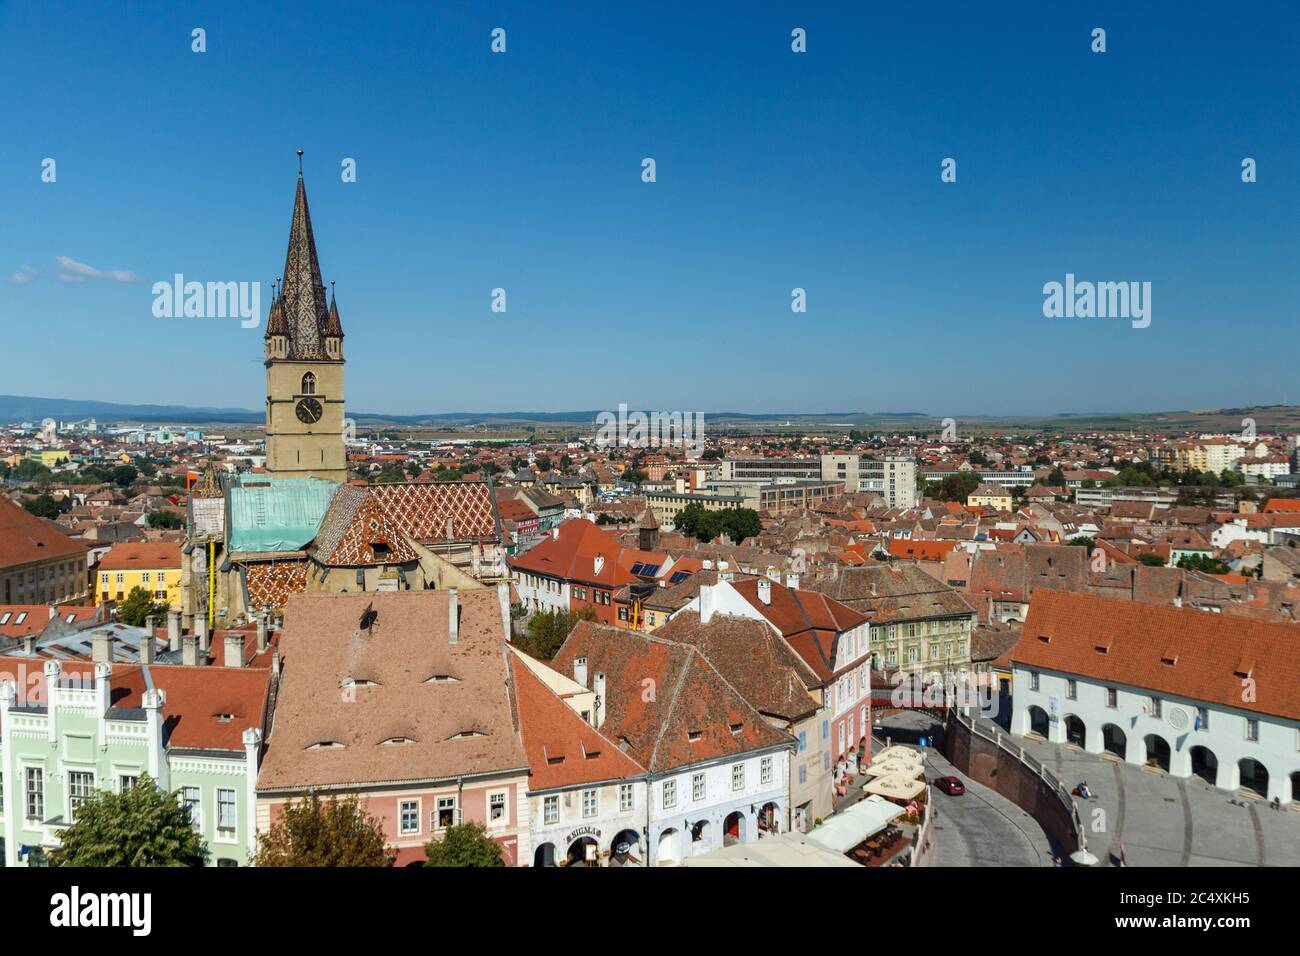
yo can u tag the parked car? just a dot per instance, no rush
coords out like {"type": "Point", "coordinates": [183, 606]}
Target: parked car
{"type": "Point", "coordinates": [951, 786]}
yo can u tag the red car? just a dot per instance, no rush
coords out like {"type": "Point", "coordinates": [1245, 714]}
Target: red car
{"type": "Point", "coordinates": [951, 786]}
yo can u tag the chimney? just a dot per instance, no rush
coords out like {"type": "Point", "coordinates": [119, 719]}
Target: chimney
{"type": "Point", "coordinates": [580, 670]}
{"type": "Point", "coordinates": [765, 591]}
{"type": "Point", "coordinates": [190, 650]}
{"type": "Point", "coordinates": [173, 630]}
{"type": "Point", "coordinates": [599, 688]}
{"type": "Point", "coordinates": [555, 533]}
{"type": "Point", "coordinates": [53, 611]}
{"type": "Point", "coordinates": [149, 645]}
{"type": "Point", "coordinates": [201, 632]}
{"type": "Point", "coordinates": [275, 663]}
{"type": "Point", "coordinates": [101, 647]}
{"type": "Point", "coordinates": [261, 632]}
{"type": "Point", "coordinates": [29, 645]}
{"type": "Point", "coordinates": [453, 617]}
{"type": "Point", "coordinates": [706, 602]}
{"type": "Point", "coordinates": [234, 649]}
{"type": "Point", "coordinates": [598, 565]}
{"type": "Point", "coordinates": [503, 598]}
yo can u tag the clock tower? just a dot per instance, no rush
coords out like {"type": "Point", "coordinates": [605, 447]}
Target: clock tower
{"type": "Point", "coordinates": [304, 364]}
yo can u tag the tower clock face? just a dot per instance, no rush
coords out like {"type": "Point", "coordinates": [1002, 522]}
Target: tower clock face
{"type": "Point", "coordinates": [309, 411]}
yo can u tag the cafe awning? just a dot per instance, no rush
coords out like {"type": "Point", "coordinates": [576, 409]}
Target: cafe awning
{"type": "Point", "coordinates": [845, 830]}
{"type": "Point", "coordinates": [894, 765]}
{"type": "Point", "coordinates": [895, 786]}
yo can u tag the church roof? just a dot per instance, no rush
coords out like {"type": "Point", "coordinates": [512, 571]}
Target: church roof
{"type": "Point", "coordinates": [302, 295]}
{"type": "Point", "coordinates": [333, 327]}
{"type": "Point", "coordinates": [277, 514]}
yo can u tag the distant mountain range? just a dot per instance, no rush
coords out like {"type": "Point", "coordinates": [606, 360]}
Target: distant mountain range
{"type": "Point", "coordinates": [1275, 418]}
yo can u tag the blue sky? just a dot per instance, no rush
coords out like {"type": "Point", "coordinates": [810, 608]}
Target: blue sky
{"type": "Point", "coordinates": [775, 170]}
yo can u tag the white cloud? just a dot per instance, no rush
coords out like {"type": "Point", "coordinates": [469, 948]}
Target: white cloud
{"type": "Point", "coordinates": [74, 271]}
{"type": "Point", "coordinates": [23, 276]}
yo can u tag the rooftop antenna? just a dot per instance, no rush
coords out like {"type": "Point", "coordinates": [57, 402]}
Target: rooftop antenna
{"type": "Point", "coordinates": [299, 164]}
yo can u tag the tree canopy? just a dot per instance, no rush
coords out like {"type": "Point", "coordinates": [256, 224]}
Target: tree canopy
{"type": "Point", "coordinates": [139, 607]}
{"type": "Point", "coordinates": [466, 844]}
{"type": "Point", "coordinates": [705, 525]}
{"type": "Point", "coordinates": [141, 826]}
{"type": "Point", "coordinates": [316, 832]}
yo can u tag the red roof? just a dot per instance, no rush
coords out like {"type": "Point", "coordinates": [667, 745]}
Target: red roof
{"type": "Point", "coordinates": [142, 556]}
{"type": "Point", "coordinates": [576, 551]}
{"type": "Point", "coordinates": [27, 539]}
{"type": "Point", "coordinates": [563, 749]}
{"type": "Point", "coordinates": [1181, 652]}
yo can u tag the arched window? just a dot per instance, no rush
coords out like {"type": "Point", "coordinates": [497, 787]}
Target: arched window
{"type": "Point", "coordinates": [309, 384]}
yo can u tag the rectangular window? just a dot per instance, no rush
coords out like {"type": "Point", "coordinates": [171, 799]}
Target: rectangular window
{"type": "Point", "coordinates": [1252, 729]}
{"type": "Point", "coordinates": [589, 803]}
{"type": "Point", "coordinates": [1157, 707]}
{"type": "Point", "coordinates": [551, 809]}
{"type": "Point", "coordinates": [1202, 718]}
{"type": "Point", "coordinates": [1072, 689]}
{"type": "Point", "coordinates": [409, 816]}
{"type": "Point", "coordinates": [81, 783]}
{"type": "Point", "coordinates": [193, 802]}
{"type": "Point", "coordinates": [445, 815]}
{"type": "Point", "coordinates": [496, 809]}
{"type": "Point", "coordinates": [1112, 698]}
{"type": "Point", "coordinates": [625, 796]}
{"type": "Point", "coordinates": [225, 809]}
{"type": "Point", "coordinates": [737, 776]}
{"type": "Point", "coordinates": [697, 787]}
{"type": "Point", "coordinates": [765, 770]}
{"type": "Point", "coordinates": [803, 774]}
{"type": "Point", "coordinates": [126, 781]}
{"type": "Point", "coordinates": [670, 794]}
{"type": "Point", "coordinates": [1033, 680]}
{"type": "Point", "coordinates": [35, 793]}
{"type": "Point", "coordinates": [803, 740]}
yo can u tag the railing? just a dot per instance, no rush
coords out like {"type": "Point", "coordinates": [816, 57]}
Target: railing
{"type": "Point", "coordinates": [994, 734]}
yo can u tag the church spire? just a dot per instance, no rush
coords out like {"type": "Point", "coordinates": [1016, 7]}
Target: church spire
{"type": "Point", "coordinates": [333, 327]}
{"type": "Point", "coordinates": [302, 296]}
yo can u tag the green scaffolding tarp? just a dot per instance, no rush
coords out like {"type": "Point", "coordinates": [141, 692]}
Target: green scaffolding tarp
{"type": "Point", "coordinates": [277, 514]}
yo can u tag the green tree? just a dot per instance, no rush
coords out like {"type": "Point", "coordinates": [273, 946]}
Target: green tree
{"type": "Point", "coordinates": [164, 519]}
{"type": "Point", "coordinates": [466, 844]}
{"type": "Point", "coordinates": [141, 826]}
{"type": "Point", "coordinates": [547, 630]}
{"type": "Point", "coordinates": [139, 607]}
{"type": "Point", "coordinates": [29, 469]}
{"type": "Point", "coordinates": [124, 476]}
{"type": "Point", "coordinates": [316, 832]}
{"type": "Point", "coordinates": [1056, 477]}
{"type": "Point", "coordinates": [1203, 562]}
{"type": "Point", "coordinates": [958, 487]}
{"type": "Point", "coordinates": [43, 506]}
{"type": "Point", "coordinates": [1152, 560]}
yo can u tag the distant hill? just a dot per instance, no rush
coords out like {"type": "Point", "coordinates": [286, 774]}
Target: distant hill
{"type": "Point", "coordinates": [26, 408]}
{"type": "Point", "coordinates": [1266, 418]}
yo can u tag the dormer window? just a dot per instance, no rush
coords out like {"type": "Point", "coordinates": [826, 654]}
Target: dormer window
{"type": "Point", "coordinates": [466, 734]}
{"type": "Point", "coordinates": [309, 384]}
{"type": "Point", "coordinates": [393, 741]}
{"type": "Point", "coordinates": [442, 679]}
{"type": "Point", "coordinates": [693, 735]}
{"type": "Point", "coordinates": [326, 745]}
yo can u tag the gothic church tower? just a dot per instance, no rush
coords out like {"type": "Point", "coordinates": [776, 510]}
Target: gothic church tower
{"type": "Point", "coordinates": [304, 364]}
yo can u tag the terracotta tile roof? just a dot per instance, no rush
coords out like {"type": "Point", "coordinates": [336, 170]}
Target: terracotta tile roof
{"type": "Point", "coordinates": [26, 539]}
{"type": "Point", "coordinates": [892, 592]}
{"type": "Point", "coordinates": [451, 701]}
{"type": "Point", "coordinates": [272, 582]}
{"type": "Point", "coordinates": [563, 749]}
{"type": "Point", "coordinates": [142, 556]}
{"type": "Point", "coordinates": [572, 555]}
{"type": "Point", "coordinates": [809, 620]}
{"type": "Point", "coordinates": [35, 617]}
{"type": "Point", "coordinates": [692, 715]}
{"type": "Point", "coordinates": [199, 699]}
{"type": "Point", "coordinates": [753, 659]}
{"type": "Point", "coordinates": [1282, 505]}
{"type": "Point", "coordinates": [1212, 655]}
